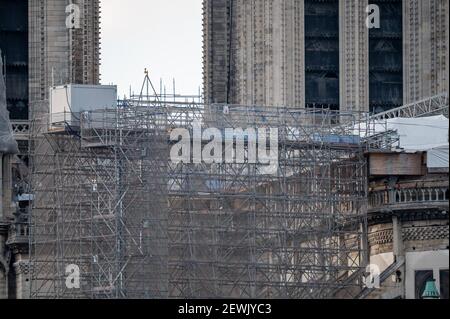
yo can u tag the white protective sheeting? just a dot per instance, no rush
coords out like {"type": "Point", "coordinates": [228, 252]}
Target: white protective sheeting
{"type": "Point", "coordinates": [438, 157]}
{"type": "Point", "coordinates": [8, 144]}
{"type": "Point", "coordinates": [420, 134]}
{"type": "Point", "coordinates": [415, 134]}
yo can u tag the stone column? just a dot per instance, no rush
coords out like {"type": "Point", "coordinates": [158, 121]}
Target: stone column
{"type": "Point", "coordinates": [6, 192]}
{"type": "Point", "coordinates": [22, 271]}
{"type": "Point", "coordinates": [3, 274]}
{"type": "Point", "coordinates": [425, 51]}
{"type": "Point", "coordinates": [3, 283]}
{"type": "Point", "coordinates": [3, 262]}
{"type": "Point", "coordinates": [354, 56]}
{"type": "Point", "coordinates": [397, 238]}
{"type": "Point", "coordinates": [1, 188]}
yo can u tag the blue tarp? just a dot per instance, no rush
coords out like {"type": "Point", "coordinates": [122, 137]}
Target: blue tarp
{"type": "Point", "coordinates": [337, 139]}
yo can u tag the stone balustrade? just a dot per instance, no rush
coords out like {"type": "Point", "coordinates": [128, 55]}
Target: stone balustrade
{"type": "Point", "coordinates": [382, 198]}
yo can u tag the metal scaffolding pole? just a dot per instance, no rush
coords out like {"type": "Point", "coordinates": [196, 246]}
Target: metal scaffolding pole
{"type": "Point", "coordinates": [110, 200]}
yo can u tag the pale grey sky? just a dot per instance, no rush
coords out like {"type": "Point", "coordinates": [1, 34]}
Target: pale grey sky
{"type": "Point", "coordinates": [164, 36]}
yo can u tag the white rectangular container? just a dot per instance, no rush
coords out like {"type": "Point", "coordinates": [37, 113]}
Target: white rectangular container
{"type": "Point", "coordinates": [67, 102]}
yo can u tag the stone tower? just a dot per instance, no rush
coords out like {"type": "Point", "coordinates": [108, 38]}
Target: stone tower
{"type": "Point", "coordinates": [310, 53]}
{"type": "Point", "coordinates": [45, 42]}
{"type": "Point", "coordinates": [64, 45]}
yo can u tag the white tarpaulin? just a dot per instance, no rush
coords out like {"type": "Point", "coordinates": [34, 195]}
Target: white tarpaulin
{"type": "Point", "coordinates": [438, 157]}
{"type": "Point", "coordinates": [415, 134]}
{"type": "Point", "coordinates": [420, 134]}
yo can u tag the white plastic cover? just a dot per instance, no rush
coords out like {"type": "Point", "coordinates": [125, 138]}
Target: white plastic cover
{"type": "Point", "coordinates": [438, 157]}
{"type": "Point", "coordinates": [421, 134]}
{"type": "Point", "coordinates": [8, 144]}
{"type": "Point", "coordinates": [416, 134]}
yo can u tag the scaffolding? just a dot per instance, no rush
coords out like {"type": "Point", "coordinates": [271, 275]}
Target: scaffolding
{"type": "Point", "coordinates": [109, 199]}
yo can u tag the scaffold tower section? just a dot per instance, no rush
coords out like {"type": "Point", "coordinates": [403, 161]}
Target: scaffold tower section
{"type": "Point", "coordinates": [110, 200]}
